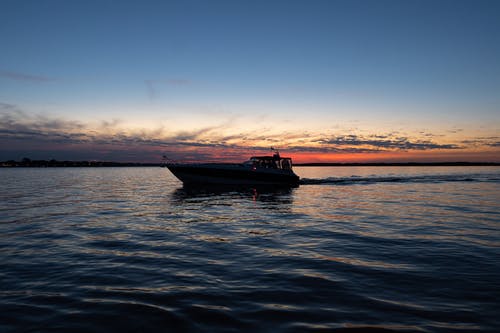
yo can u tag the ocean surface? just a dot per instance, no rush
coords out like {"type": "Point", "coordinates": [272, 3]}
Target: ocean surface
{"type": "Point", "coordinates": [352, 249]}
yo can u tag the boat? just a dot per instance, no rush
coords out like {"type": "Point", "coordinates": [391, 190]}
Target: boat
{"type": "Point", "coordinates": [258, 170]}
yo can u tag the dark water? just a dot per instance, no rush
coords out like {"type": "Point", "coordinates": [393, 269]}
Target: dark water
{"type": "Point", "coordinates": [361, 249]}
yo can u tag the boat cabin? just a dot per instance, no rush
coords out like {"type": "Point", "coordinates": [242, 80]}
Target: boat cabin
{"type": "Point", "coordinates": [271, 162]}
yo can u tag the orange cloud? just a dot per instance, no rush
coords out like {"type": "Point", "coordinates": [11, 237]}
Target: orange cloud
{"type": "Point", "coordinates": [21, 133]}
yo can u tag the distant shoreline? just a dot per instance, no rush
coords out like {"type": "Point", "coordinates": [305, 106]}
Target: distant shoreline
{"type": "Point", "coordinates": [402, 164]}
{"type": "Point", "coordinates": [28, 163]}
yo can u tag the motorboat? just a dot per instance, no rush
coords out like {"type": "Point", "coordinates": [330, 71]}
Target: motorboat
{"type": "Point", "coordinates": [258, 170]}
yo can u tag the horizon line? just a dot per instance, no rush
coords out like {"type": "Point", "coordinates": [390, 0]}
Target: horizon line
{"type": "Point", "coordinates": [27, 162]}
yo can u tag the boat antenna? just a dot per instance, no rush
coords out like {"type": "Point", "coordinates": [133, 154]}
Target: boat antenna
{"type": "Point", "coordinates": [276, 152]}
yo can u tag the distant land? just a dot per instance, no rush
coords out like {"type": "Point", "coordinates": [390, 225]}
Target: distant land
{"type": "Point", "coordinates": [404, 164]}
{"type": "Point", "coordinates": [29, 163]}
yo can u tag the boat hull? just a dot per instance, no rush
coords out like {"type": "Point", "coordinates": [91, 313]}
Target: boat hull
{"type": "Point", "coordinates": [231, 174]}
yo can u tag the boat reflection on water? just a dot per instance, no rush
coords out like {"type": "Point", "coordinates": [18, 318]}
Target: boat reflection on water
{"type": "Point", "coordinates": [210, 192]}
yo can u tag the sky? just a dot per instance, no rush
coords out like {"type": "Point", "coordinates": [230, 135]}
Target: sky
{"type": "Point", "coordinates": [322, 81]}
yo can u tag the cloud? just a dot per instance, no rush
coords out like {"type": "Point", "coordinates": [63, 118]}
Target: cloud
{"type": "Point", "coordinates": [105, 124]}
{"type": "Point", "coordinates": [192, 135]}
{"type": "Point", "coordinates": [7, 107]}
{"type": "Point", "coordinates": [491, 141]}
{"type": "Point", "coordinates": [17, 125]}
{"type": "Point", "coordinates": [384, 142]}
{"type": "Point", "coordinates": [15, 120]}
{"type": "Point", "coordinates": [25, 77]}
{"type": "Point", "coordinates": [329, 149]}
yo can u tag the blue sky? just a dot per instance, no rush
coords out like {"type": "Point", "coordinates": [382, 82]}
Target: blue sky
{"type": "Point", "coordinates": [290, 69]}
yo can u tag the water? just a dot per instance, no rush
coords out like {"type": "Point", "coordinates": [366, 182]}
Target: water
{"type": "Point", "coordinates": [352, 249]}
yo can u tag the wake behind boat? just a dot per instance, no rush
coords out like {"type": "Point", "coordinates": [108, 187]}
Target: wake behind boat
{"type": "Point", "coordinates": [258, 170]}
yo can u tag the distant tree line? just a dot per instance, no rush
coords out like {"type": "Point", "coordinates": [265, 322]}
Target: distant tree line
{"type": "Point", "coordinates": [403, 164]}
{"type": "Point", "coordinates": [27, 162]}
